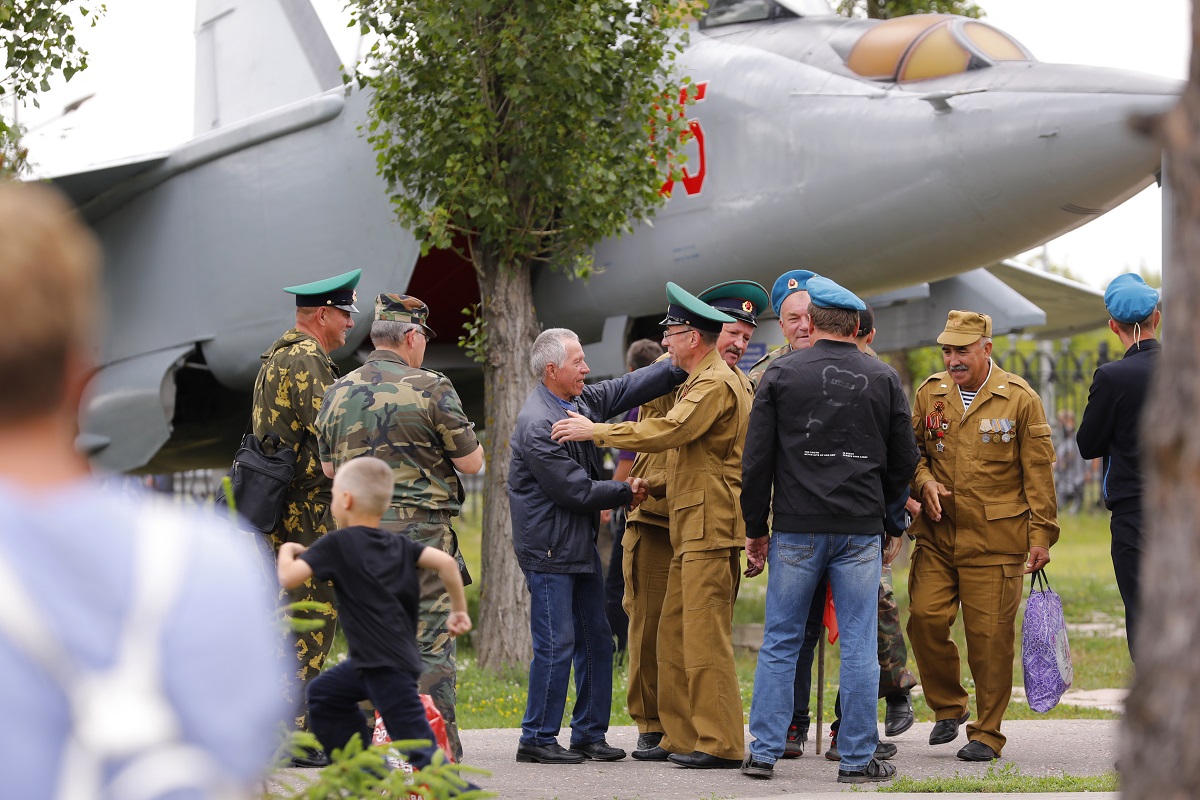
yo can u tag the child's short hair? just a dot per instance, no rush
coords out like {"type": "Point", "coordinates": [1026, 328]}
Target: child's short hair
{"type": "Point", "coordinates": [369, 481]}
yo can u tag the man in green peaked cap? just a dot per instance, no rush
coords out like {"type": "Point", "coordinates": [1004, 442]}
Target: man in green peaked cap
{"type": "Point", "coordinates": [699, 703]}
{"type": "Point", "coordinates": [744, 301]}
{"type": "Point", "coordinates": [295, 373]}
{"type": "Point", "coordinates": [413, 419]}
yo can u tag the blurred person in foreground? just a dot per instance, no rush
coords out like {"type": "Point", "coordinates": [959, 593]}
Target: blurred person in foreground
{"type": "Point", "coordinates": [110, 605]}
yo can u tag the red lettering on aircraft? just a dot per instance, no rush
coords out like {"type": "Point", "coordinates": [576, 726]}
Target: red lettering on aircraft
{"type": "Point", "coordinates": [692, 183]}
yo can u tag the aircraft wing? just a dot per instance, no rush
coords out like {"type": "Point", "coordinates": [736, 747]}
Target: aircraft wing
{"type": "Point", "coordinates": [1070, 306]}
{"type": "Point", "coordinates": [1019, 299]}
{"type": "Point", "coordinates": [83, 187]}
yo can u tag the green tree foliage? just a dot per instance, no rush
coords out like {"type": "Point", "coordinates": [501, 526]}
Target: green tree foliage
{"type": "Point", "coordinates": [526, 127]}
{"type": "Point", "coordinates": [520, 134]}
{"type": "Point", "coordinates": [887, 9]}
{"type": "Point", "coordinates": [38, 37]}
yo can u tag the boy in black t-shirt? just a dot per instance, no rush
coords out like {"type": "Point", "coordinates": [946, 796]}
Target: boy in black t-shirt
{"type": "Point", "coordinates": [374, 573]}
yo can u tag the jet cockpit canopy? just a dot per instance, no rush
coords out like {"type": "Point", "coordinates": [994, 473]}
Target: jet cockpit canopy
{"type": "Point", "coordinates": [922, 46]}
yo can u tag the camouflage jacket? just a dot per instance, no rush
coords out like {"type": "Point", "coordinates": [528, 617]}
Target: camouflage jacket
{"type": "Point", "coordinates": [760, 367]}
{"type": "Point", "coordinates": [293, 378]}
{"type": "Point", "coordinates": [411, 418]}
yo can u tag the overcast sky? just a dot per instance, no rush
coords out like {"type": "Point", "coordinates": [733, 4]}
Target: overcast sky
{"type": "Point", "coordinates": [143, 51]}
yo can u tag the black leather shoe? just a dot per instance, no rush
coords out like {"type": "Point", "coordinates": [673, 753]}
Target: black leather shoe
{"type": "Point", "coordinates": [654, 753]}
{"type": "Point", "coordinates": [553, 753]}
{"type": "Point", "coordinates": [946, 730]}
{"type": "Point", "coordinates": [757, 769]}
{"type": "Point", "coordinates": [977, 751]}
{"type": "Point", "coordinates": [698, 760]}
{"type": "Point", "coordinates": [312, 759]}
{"type": "Point", "coordinates": [649, 741]}
{"type": "Point", "coordinates": [599, 751]}
{"type": "Point", "coordinates": [899, 717]}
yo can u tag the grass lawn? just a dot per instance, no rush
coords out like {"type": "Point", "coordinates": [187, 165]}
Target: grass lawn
{"type": "Point", "coordinates": [1080, 571]}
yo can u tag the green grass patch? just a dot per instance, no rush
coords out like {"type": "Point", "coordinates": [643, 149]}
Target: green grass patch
{"type": "Point", "coordinates": [1006, 778]}
{"type": "Point", "coordinates": [1080, 572]}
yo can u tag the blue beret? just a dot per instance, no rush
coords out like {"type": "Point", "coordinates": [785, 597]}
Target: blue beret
{"type": "Point", "coordinates": [788, 282]}
{"type": "Point", "coordinates": [1128, 298]}
{"type": "Point", "coordinates": [827, 294]}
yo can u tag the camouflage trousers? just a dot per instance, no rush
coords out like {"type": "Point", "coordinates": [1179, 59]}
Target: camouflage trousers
{"type": "Point", "coordinates": [440, 678]}
{"type": "Point", "coordinates": [304, 523]}
{"type": "Point", "coordinates": [894, 676]}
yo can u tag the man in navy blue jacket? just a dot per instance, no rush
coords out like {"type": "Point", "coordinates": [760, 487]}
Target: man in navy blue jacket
{"type": "Point", "coordinates": [555, 497]}
{"type": "Point", "coordinates": [1110, 425]}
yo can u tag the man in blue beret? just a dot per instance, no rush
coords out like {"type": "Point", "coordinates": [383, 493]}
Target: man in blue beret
{"type": "Point", "coordinates": [1110, 427]}
{"type": "Point", "coordinates": [833, 481]}
{"type": "Point", "coordinates": [296, 371]}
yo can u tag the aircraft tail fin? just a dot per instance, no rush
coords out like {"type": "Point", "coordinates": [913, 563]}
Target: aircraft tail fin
{"type": "Point", "coordinates": [256, 55]}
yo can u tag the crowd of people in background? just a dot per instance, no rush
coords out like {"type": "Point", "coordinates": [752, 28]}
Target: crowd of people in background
{"type": "Point", "coordinates": [814, 464]}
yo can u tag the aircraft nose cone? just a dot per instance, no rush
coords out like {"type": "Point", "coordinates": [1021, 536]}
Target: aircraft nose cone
{"type": "Point", "coordinates": [1058, 144]}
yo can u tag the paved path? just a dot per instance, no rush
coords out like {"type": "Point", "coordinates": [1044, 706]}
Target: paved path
{"type": "Point", "coordinates": [1035, 747]}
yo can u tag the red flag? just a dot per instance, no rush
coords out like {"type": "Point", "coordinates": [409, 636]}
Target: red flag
{"type": "Point", "coordinates": [830, 617]}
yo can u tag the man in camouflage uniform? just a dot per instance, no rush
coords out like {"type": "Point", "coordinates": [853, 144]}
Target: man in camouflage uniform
{"type": "Point", "coordinates": [295, 373]}
{"type": "Point", "coordinates": [790, 300]}
{"type": "Point", "coordinates": [411, 418]}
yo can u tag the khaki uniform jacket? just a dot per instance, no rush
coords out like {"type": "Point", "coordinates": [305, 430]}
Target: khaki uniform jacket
{"type": "Point", "coordinates": [703, 435]}
{"type": "Point", "coordinates": [1002, 498]}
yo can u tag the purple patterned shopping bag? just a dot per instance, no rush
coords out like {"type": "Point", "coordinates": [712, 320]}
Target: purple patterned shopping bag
{"type": "Point", "coordinates": [1045, 653]}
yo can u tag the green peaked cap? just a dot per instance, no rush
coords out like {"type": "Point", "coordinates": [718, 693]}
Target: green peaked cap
{"type": "Point", "coordinates": [743, 300]}
{"type": "Point", "coordinates": [337, 291]}
{"type": "Point", "coordinates": [684, 308]}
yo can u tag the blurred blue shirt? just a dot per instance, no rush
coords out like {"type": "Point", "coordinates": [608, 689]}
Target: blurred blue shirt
{"type": "Point", "coordinates": [73, 547]}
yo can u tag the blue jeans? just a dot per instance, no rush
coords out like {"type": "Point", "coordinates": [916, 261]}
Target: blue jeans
{"type": "Point", "coordinates": [801, 716]}
{"type": "Point", "coordinates": [582, 638]}
{"type": "Point", "coordinates": [796, 562]}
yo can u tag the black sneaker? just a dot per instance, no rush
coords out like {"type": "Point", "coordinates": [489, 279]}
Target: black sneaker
{"type": "Point", "coordinates": [757, 769]}
{"type": "Point", "coordinates": [793, 746]}
{"type": "Point", "coordinates": [312, 758]}
{"type": "Point", "coordinates": [874, 771]}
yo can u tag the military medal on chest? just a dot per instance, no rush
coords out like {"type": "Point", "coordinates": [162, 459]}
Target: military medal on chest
{"type": "Point", "coordinates": [986, 427]}
{"type": "Point", "coordinates": [936, 425]}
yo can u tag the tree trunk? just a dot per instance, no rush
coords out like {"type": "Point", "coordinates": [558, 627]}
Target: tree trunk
{"type": "Point", "coordinates": [1159, 758]}
{"type": "Point", "coordinates": [512, 326]}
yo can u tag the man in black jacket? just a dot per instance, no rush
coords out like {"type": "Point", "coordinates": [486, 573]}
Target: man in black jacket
{"type": "Point", "coordinates": [830, 440]}
{"type": "Point", "coordinates": [1110, 425]}
{"type": "Point", "coordinates": [555, 497]}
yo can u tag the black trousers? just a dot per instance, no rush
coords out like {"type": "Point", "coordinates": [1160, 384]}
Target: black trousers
{"type": "Point", "coordinates": [334, 715]}
{"type": "Point", "coordinates": [1127, 560]}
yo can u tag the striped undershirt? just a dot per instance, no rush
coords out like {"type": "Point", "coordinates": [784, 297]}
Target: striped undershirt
{"type": "Point", "coordinates": [969, 397]}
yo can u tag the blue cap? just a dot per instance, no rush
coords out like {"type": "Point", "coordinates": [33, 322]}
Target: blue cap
{"type": "Point", "coordinates": [827, 294]}
{"type": "Point", "coordinates": [793, 281]}
{"type": "Point", "coordinates": [1128, 298]}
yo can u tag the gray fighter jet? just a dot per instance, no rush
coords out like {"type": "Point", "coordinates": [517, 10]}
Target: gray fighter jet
{"type": "Point", "coordinates": [900, 157]}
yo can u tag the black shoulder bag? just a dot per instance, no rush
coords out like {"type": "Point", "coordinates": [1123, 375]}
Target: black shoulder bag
{"type": "Point", "coordinates": [261, 473]}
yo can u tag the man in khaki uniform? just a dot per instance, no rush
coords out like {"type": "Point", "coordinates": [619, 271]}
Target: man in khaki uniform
{"type": "Point", "coordinates": [986, 483]}
{"type": "Point", "coordinates": [698, 699]}
{"type": "Point", "coordinates": [647, 543]}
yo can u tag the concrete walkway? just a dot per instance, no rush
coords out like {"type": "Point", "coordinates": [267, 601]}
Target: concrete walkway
{"type": "Point", "coordinates": [1035, 747]}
